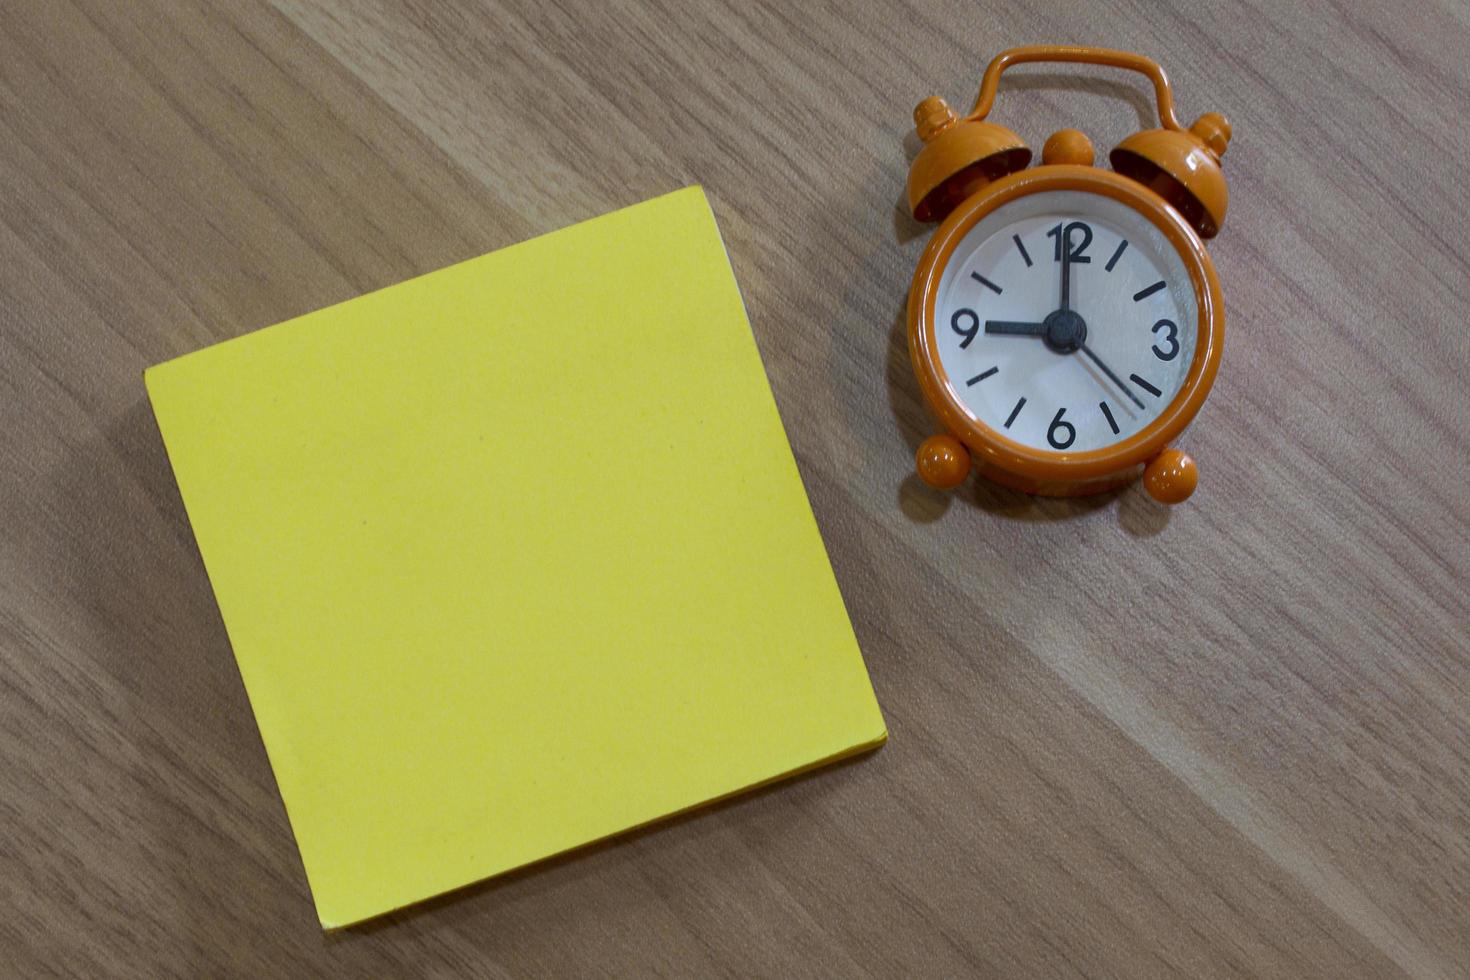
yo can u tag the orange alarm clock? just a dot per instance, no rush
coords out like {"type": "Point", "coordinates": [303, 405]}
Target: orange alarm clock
{"type": "Point", "coordinates": [1065, 322]}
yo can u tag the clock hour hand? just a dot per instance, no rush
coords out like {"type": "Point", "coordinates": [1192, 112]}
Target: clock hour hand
{"type": "Point", "coordinates": [1015, 328]}
{"type": "Point", "coordinates": [1111, 376]}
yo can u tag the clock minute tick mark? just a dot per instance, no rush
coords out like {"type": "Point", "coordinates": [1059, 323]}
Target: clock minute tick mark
{"type": "Point", "coordinates": [1145, 385]}
{"type": "Point", "coordinates": [985, 282]}
{"type": "Point", "coordinates": [1024, 254]}
{"type": "Point", "coordinates": [1116, 256]}
{"type": "Point", "coordinates": [1148, 291]}
{"type": "Point", "coordinates": [981, 376]}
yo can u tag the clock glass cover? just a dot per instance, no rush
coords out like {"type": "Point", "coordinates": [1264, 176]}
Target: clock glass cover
{"type": "Point", "coordinates": [1065, 321]}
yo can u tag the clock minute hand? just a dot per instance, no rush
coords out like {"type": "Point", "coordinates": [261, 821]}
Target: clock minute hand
{"type": "Point", "coordinates": [1109, 372]}
{"type": "Point", "coordinates": [1066, 243]}
{"type": "Point", "coordinates": [1015, 328]}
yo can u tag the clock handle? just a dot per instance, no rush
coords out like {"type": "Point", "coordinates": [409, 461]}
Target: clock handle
{"type": "Point", "coordinates": [1085, 55]}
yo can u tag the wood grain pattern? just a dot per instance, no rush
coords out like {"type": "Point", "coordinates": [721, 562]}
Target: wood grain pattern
{"type": "Point", "coordinates": [1227, 740]}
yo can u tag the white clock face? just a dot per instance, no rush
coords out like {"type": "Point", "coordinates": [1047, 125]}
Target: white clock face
{"type": "Point", "coordinates": [1065, 355]}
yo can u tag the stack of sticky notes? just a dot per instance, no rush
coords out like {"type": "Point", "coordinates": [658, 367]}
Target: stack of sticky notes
{"type": "Point", "coordinates": [514, 556]}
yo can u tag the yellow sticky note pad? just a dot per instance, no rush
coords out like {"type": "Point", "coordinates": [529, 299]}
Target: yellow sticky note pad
{"type": "Point", "coordinates": [514, 556]}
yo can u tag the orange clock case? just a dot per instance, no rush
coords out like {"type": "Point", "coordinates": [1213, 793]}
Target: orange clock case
{"type": "Point", "coordinates": [968, 168]}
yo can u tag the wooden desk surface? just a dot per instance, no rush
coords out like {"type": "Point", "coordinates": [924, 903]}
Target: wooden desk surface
{"type": "Point", "coordinates": [1229, 739]}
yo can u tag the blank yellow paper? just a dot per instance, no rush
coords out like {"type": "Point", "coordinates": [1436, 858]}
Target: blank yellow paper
{"type": "Point", "coordinates": [514, 556]}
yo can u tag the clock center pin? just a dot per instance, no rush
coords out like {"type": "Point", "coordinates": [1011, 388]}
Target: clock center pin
{"type": "Point", "coordinates": [1066, 331]}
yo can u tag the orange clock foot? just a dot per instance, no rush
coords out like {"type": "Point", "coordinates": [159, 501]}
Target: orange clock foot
{"type": "Point", "coordinates": [1171, 477]}
{"type": "Point", "coordinates": [943, 462]}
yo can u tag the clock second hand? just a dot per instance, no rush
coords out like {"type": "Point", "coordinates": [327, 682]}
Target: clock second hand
{"type": "Point", "coordinates": [1113, 377]}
